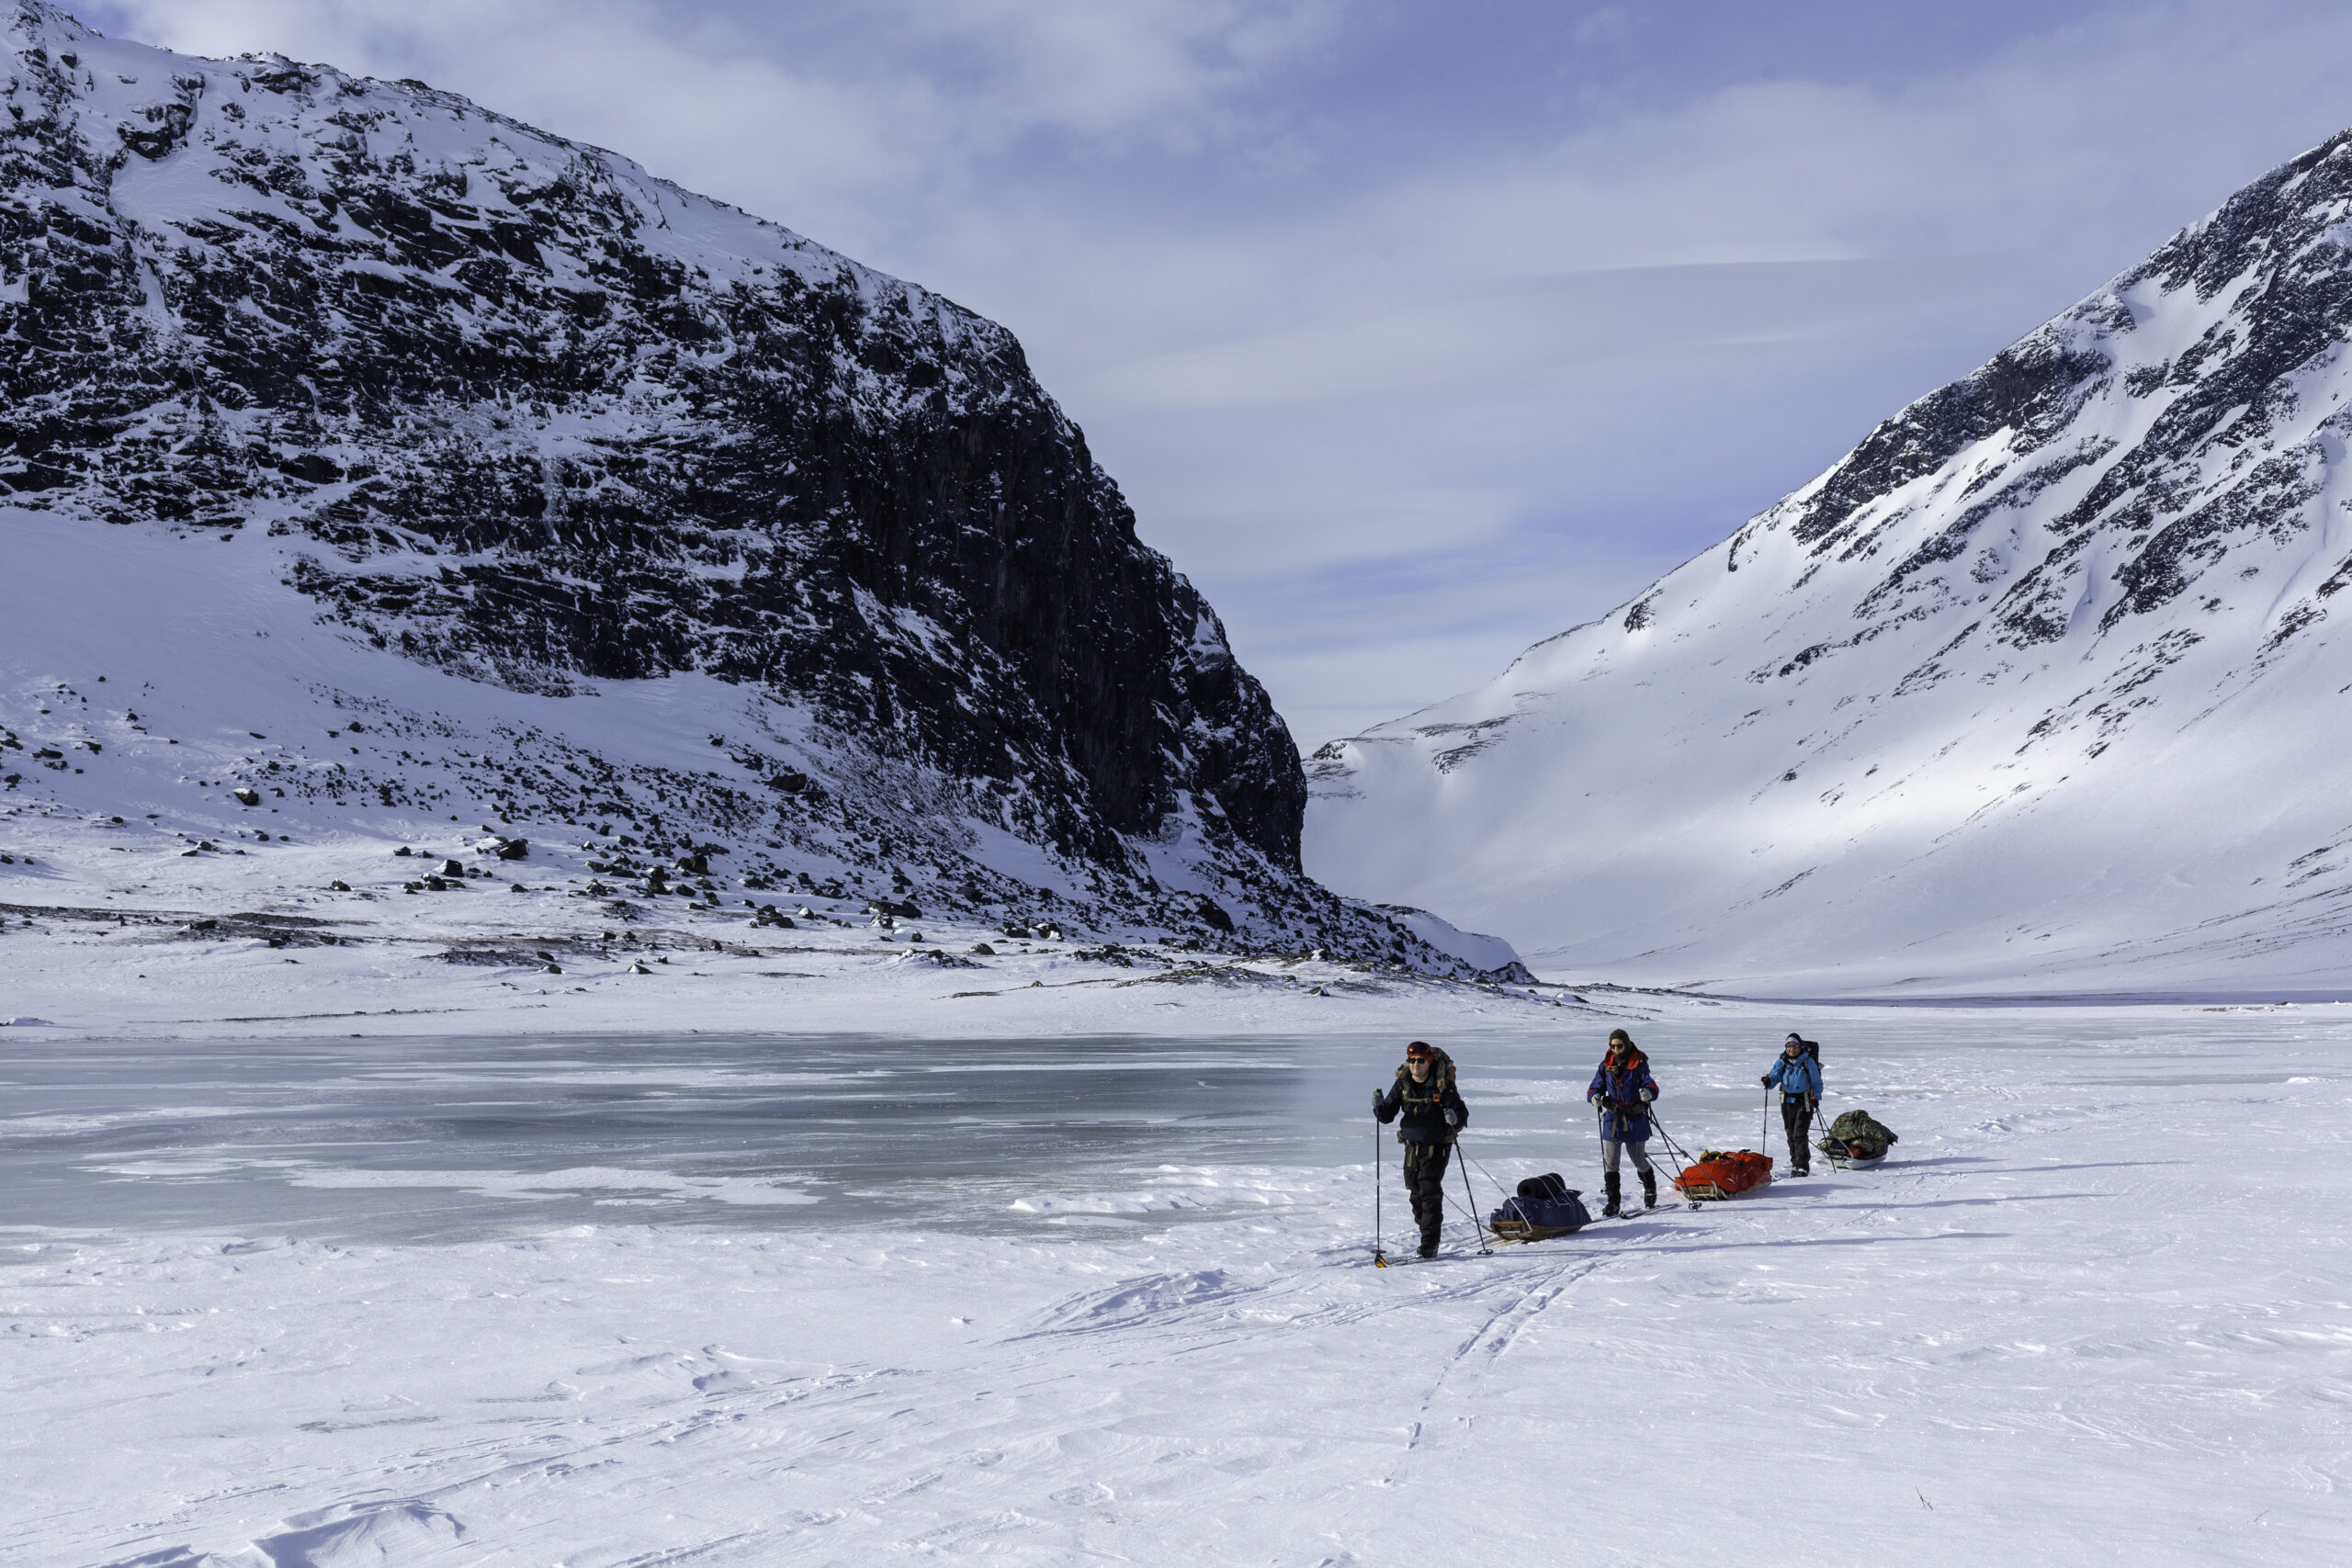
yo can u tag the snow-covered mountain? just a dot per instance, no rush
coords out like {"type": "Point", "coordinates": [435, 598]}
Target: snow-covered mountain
{"type": "Point", "coordinates": [2044, 686]}
{"type": "Point", "coordinates": [594, 502]}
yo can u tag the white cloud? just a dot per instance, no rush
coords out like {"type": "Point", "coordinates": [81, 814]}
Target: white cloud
{"type": "Point", "coordinates": [1502, 333]}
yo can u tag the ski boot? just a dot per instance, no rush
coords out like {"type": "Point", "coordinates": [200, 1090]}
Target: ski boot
{"type": "Point", "coordinates": [1649, 1189]}
{"type": "Point", "coordinates": [1612, 1185]}
{"type": "Point", "coordinates": [1428, 1246]}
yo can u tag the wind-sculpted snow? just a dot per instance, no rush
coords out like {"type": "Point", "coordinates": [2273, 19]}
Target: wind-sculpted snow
{"type": "Point", "coordinates": [514, 409]}
{"type": "Point", "coordinates": [2040, 686]}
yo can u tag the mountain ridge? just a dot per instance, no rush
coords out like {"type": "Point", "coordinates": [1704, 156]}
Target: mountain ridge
{"type": "Point", "coordinates": [2078, 608]}
{"type": "Point", "coordinates": [507, 407]}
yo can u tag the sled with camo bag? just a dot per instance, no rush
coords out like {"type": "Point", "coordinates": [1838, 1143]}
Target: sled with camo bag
{"type": "Point", "coordinates": [1857, 1140]}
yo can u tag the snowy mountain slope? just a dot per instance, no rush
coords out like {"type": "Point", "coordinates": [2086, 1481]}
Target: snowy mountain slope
{"type": "Point", "coordinates": [661, 484]}
{"type": "Point", "coordinates": [2044, 687]}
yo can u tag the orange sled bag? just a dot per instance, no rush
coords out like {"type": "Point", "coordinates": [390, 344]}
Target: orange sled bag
{"type": "Point", "coordinates": [1724, 1173]}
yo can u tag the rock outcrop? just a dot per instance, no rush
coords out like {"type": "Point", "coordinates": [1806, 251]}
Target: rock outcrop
{"type": "Point", "coordinates": [514, 409]}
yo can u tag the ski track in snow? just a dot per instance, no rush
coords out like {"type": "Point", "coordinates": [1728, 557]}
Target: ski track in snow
{"type": "Point", "coordinates": [2092, 1308]}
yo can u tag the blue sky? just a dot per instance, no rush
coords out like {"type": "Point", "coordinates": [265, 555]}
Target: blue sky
{"type": "Point", "coordinates": [1418, 332]}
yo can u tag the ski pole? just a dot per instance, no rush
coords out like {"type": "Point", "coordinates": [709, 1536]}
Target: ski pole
{"type": "Point", "coordinates": [1681, 1155]}
{"type": "Point", "coordinates": [1764, 1138]}
{"type": "Point", "coordinates": [1379, 1254]}
{"type": "Point", "coordinates": [1476, 1223]}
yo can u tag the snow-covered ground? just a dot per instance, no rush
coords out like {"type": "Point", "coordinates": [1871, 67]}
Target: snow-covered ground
{"type": "Point", "coordinates": [1076, 1279]}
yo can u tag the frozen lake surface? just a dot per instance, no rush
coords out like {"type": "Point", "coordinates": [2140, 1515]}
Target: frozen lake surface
{"type": "Point", "coordinates": [446, 1139]}
{"type": "Point", "coordinates": [756, 1300]}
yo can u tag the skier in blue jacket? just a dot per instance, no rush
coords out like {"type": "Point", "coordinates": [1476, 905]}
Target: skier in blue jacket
{"type": "Point", "coordinates": [1622, 1090]}
{"type": "Point", "coordinates": [1797, 1075]}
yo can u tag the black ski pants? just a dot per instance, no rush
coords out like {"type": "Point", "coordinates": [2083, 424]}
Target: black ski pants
{"type": "Point", "coordinates": [1796, 1116]}
{"type": "Point", "coordinates": [1425, 1180]}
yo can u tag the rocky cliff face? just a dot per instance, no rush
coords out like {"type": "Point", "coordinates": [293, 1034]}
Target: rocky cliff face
{"type": "Point", "coordinates": [2041, 685]}
{"type": "Point", "coordinates": [514, 408]}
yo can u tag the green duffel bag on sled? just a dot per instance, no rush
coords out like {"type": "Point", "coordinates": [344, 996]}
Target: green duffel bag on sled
{"type": "Point", "coordinates": [1857, 1138]}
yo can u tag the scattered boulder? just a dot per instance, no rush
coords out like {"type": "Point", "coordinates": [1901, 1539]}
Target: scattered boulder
{"type": "Point", "coordinates": [453, 868]}
{"type": "Point", "coordinates": [339, 886]}
{"type": "Point", "coordinates": [983, 950]}
{"type": "Point", "coordinates": [512, 849]}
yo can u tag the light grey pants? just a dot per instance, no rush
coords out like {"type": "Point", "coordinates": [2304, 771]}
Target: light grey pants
{"type": "Point", "coordinates": [1639, 1149]}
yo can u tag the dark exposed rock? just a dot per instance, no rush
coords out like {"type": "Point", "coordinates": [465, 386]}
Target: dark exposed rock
{"type": "Point", "coordinates": [815, 477]}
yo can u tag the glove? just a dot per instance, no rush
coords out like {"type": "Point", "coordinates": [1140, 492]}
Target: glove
{"type": "Point", "coordinates": [1379, 1102]}
{"type": "Point", "coordinates": [1593, 1101]}
{"type": "Point", "coordinates": [1766, 1080]}
{"type": "Point", "coordinates": [1647, 1095]}
{"type": "Point", "coordinates": [1453, 1117]}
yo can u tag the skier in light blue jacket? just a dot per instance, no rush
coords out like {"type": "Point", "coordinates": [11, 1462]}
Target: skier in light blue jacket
{"type": "Point", "coordinates": [1797, 1075]}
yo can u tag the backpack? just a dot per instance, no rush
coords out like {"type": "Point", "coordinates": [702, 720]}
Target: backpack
{"type": "Point", "coordinates": [1809, 1048]}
